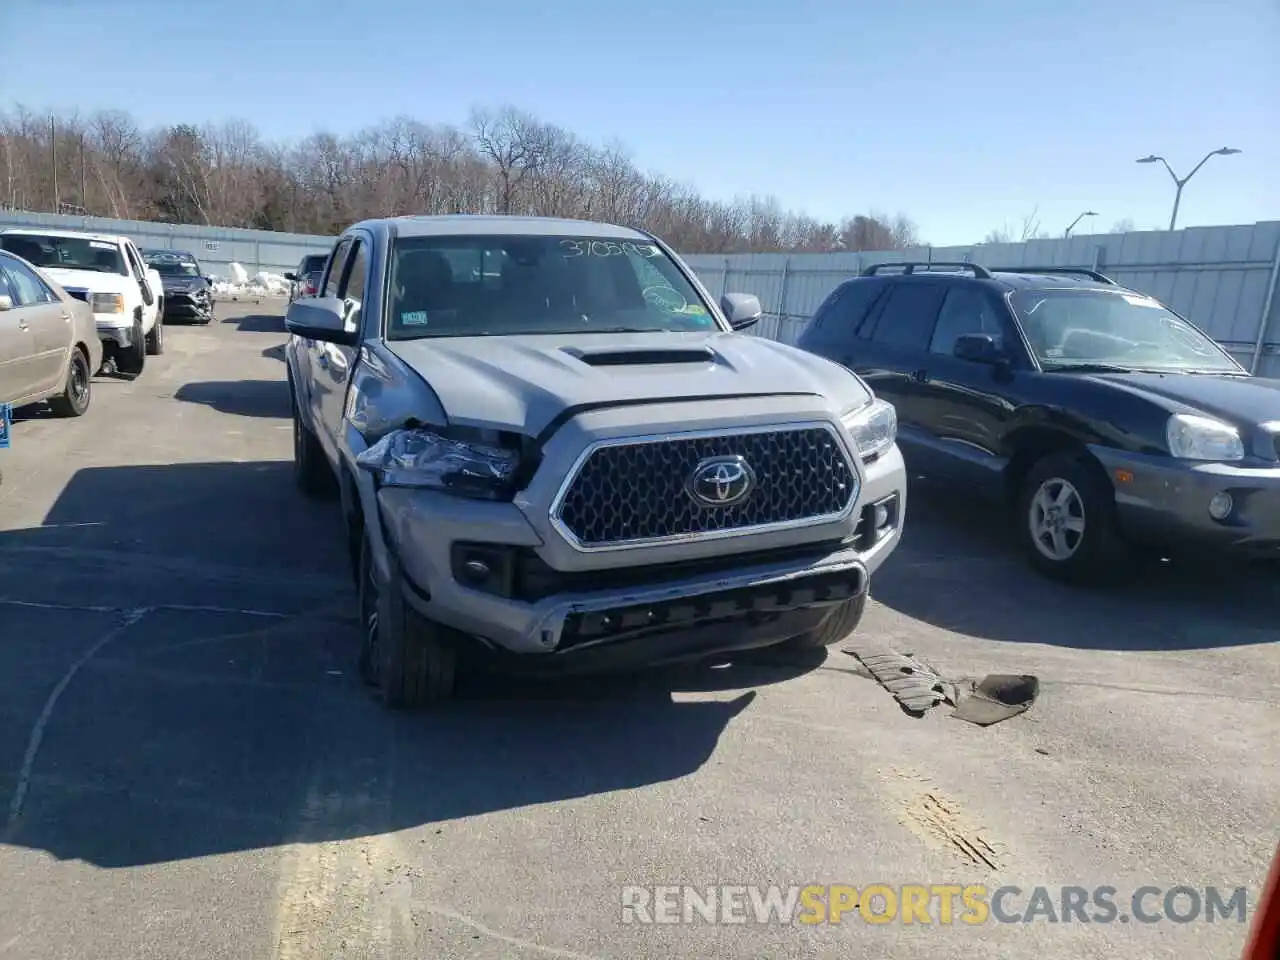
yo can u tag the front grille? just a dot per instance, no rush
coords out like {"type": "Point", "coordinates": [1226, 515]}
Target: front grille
{"type": "Point", "coordinates": [635, 492]}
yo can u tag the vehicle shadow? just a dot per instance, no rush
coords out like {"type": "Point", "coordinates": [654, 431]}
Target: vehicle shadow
{"type": "Point", "coordinates": [960, 567]}
{"type": "Point", "coordinates": [258, 323]}
{"type": "Point", "coordinates": [245, 398]}
{"type": "Point", "coordinates": [223, 713]}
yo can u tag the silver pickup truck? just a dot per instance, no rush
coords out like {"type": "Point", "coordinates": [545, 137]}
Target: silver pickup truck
{"type": "Point", "coordinates": [555, 452]}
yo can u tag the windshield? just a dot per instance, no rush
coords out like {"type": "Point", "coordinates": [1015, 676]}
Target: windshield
{"type": "Point", "coordinates": [67, 253]}
{"type": "Point", "coordinates": [171, 264]}
{"type": "Point", "coordinates": [484, 286]}
{"type": "Point", "coordinates": [1068, 328]}
{"type": "Point", "coordinates": [314, 264]}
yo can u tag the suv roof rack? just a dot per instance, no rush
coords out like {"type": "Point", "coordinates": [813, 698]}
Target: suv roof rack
{"type": "Point", "coordinates": [910, 266]}
{"type": "Point", "coordinates": [1075, 271]}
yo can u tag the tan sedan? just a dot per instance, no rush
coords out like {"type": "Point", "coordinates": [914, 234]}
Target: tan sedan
{"type": "Point", "coordinates": [49, 346]}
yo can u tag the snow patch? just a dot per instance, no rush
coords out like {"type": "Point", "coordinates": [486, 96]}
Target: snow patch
{"type": "Point", "coordinates": [263, 284]}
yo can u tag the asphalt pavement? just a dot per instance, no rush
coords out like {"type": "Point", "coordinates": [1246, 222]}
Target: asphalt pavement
{"type": "Point", "coordinates": [190, 769]}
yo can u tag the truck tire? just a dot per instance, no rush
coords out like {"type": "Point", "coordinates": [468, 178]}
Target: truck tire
{"type": "Point", "coordinates": [841, 622]}
{"type": "Point", "coordinates": [311, 473]}
{"type": "Point", "coordinates": [1067, 521]}
{"type": "Point", "coordinates": [78, 391]}
{"type": "Point", "coordinates": [408, 660]}
{"type": "Point", "coordinates": [155, 339]}
{"type": "Point", "coordinates": [131, 360]}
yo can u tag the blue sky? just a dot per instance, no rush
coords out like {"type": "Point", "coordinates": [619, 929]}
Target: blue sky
{"type": "Point", "coordinates": [965, 116]}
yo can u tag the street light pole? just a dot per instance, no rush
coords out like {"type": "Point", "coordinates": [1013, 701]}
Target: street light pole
{"type": "Point", "coordinates": [1181, 182]}
{"type": "Point", "coordinates": [1088, 213]}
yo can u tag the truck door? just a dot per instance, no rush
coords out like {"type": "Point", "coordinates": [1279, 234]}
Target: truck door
{"type": "Point", "coordinates": [327, 363]}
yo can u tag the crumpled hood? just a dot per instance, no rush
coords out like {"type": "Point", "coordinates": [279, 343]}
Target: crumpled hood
{"type": "Point", "coordinates": [522, 383]}
{"type": "Point", "coordinates": [182, 284]}
{"type": "Point", "coordinates": [1239, 400]}
{"type": "Point", "coordinates": [92, 280]}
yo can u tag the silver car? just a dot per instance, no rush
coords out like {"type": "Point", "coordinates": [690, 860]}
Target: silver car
{"type": "Point", "coordinates": [555, 453]}
{"type": "Point", "coordinates": [49, 346]}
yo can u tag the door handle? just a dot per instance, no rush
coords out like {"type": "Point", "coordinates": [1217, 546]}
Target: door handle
{"type": "Point", "coordinates": [920, 376]}
{"type": "Point", "coordinates": [67, 317]}
{"type": "Point", "coordinates": [22, 325]}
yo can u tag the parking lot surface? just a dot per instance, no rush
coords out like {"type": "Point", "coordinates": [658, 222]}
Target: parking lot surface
{"type": "Point", "coordinates": [189, 767]}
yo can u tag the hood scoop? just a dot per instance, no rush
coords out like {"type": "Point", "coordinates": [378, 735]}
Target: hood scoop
{"type": "Point", "coordinates": [639, 356]}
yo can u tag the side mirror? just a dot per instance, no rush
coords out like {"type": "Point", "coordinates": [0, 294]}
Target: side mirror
{"type": "Point", "coordinates": [209, 281]}
{"type": "Point", "coordinates": [291, 277]}
{"type": "Point", "coordinates": [6, 303]}
{"type": "Point", "coordinates": [148, 295]}
{"type": "Point", "coordinates": [978, 348]}
{"type": "Point", "coordinates": [320, 318]}
{"type": "Point", "coordinates": [741, 309]}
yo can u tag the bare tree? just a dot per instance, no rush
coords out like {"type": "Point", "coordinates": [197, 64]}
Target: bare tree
{"type": "Point", "coordinates": [506, 161]}
{"type": "Point", "coordinates": [1123, 226]}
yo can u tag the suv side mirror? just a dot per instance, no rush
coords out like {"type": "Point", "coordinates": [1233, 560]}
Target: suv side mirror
{"type": "Point", "coordinates": [320, 318]}
{"type": "Point", "coordinates": [741, 309]}
{"type": "Point", "coordinates": [291, 277]}
{"type": "Point", "coordinates": [978, 348]}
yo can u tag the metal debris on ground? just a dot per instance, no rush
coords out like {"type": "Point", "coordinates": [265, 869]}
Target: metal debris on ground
{"type": "Point", "coordinates": [919, 686]}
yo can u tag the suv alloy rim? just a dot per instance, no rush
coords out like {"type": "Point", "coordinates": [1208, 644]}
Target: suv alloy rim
{"type": "Point", "coordinates": [1056, 519]}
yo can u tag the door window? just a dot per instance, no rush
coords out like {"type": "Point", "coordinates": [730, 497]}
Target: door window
{"type": "Point", "coordinates": [27, 288]}
{"type": "Point", "coordinates": [966, 310]}
{"type": "Point", "coordinates": [907, 319]}
{"type": "Point", "coordinates": [337, 264]}
{"type": "Point", "coordinates": [352, 287]}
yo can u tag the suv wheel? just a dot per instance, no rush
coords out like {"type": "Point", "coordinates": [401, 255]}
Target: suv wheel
{"type": "Point", "coordinates": [132, 359]}
{"type": "Point", "coordinates": [1066, 515]}
{"type": "Point", "coordinates": [407, 659]}
{"type": "Point", "coordinates": [841, 622]}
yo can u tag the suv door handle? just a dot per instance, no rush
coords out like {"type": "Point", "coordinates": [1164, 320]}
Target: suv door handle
{"type": "Point", "coordinates": [920, 376]}
{"type": "Point", "coordinates": [22, 325]}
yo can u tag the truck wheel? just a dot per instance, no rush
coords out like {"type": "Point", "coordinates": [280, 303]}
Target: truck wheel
{"type": "Point", "coordinates": [311, 471]}
{"type": "Point", "coordinates": [131, 360]}
{"type": "Point", "coordinates": [155, 339]}
{"type": "Point", "coordinates": [841, 622]}
{"type": "Point", "coordinates": [1067, 521]}
{"type": "Point", "coordinates": [74, 399]}
{"type": "Point", "coordinates": [407, 659]}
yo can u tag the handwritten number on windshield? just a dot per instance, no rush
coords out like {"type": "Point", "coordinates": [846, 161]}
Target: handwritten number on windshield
{"type": "Point", "coordinates": [607, 248]}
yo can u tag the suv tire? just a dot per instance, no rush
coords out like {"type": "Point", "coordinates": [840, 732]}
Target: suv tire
{"type": "Point", "coordinates": [407, 659]}
{"type": "Point", "coordinates": [75, 397]}
{"type": "Point", "coordinates": [131, 360]}
{"type": "Point", "coordinates": [841, 622]}
{"type": "Point", "coordinates": [1067, 521]}
{"type": "Point", "coordinates": [155, 339]}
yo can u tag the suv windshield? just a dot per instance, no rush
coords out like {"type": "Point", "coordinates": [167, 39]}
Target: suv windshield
{"type": "Point", "coordinates": [171, 264]}
{"type": "Point", "coordinates": [484, 286]}
{"type": "Point", "coordinates": [1068, 328]}
{"type": "Point", "coordinates": [67, 253]}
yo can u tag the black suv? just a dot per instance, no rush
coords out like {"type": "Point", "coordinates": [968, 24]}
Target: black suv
{"type": "Point", "coordinates": [188, 293]}
{"type": "Point", "coordinates": [1103, 418]}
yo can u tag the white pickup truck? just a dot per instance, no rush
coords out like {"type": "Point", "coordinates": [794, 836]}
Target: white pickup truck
{"type": "Point", "coordinates": [108, 273]}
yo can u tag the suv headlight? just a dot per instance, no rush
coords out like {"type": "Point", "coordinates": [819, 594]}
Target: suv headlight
{"type": "Point", "coordinates": [423, 459]}
{"type": "Point", "coordinates": [1192, 437]}
{"type": "Point", "coordinates": [107, 303]}
{"type": "Point", "coordinates": [874, 428]}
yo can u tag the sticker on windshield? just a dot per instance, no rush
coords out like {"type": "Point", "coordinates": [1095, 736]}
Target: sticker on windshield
{"type": "Point", "coordinates": [693, 309]}
{"type": "Point", "coordinates": [1138, 301]}
{"type": "Point", "coordinates": [414, 318]}
{"type": "Point", "coordinates": [101, 245]}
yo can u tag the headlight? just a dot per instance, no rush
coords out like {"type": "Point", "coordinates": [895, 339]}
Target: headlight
{"type": "Point", "coordinates": [107, 303]}
{"type": "Point", "coordinates": [420, 458]}
{"type": "Point", "coordinates": [874, 428]}
{"type": "Point", "coordinates": [1203, 438]}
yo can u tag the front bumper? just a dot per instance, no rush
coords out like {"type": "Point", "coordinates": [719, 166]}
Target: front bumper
{"type": "Point", "coordinates": [186, 306]}
{"type": "Point", "coordinates": [1166, 502]}
{"type": "Point", "coordinates": [649, 610]}
{"type": "Point", "coordinates": [114, 331]}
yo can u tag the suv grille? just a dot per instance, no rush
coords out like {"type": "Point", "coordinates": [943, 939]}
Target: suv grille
{"type": "Point", "coordinates": [635, 492]}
